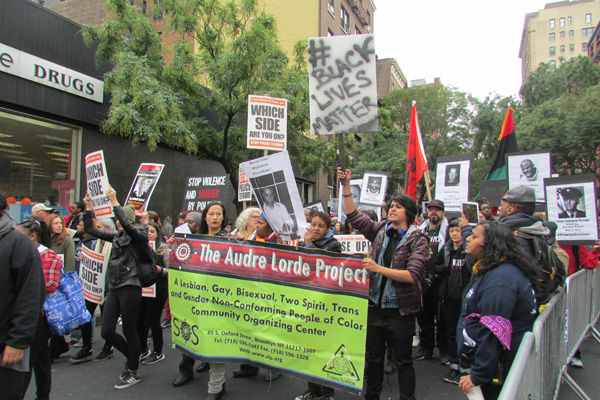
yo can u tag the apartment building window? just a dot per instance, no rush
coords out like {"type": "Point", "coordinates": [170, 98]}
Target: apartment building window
{"type": "Point", "coordinates": [571, 33]}
{"type": "Point", "coordinates": [356, 30]}
{"type": "Point", "coordinates": [563, 48]}
{"type": "Point", "coordinates": [552, 23]}
{"type": "Point", "coordinates": [562, 34]}
{"type": "Point", "coordinates": [552, 50]}
{"type": "Point", "coordinates": [588, 18]}
{"type": "Point", "coordinates": [571, 47]}
{"type": "Point", "coordinates": [144, 7]}
{"type": "Point", "coordinates": [587, 32]}
{"type": "Point", "coordinates": [552, 37]}
{"type": "Point", "coordinates": [345, 20]}
{"type": "Point", "coordinates": [157, 11]}
{"type": "Point", "coordinates": [584, 46]}
{"type": "Point", "coordinates": [329, 32]}
{"type": "Point", "coordinates": [553, 64]}
{"type": "Point", "coordinates": [331, 7]}
{"type": "Point", "coordinates": [569, 20]}
{"type": "Point", "coordinates": [368, 17]}
{"type": "Point", "coordinates": [561, 22]}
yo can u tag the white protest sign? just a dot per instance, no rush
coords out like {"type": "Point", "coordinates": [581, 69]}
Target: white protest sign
{"type": "Point", "coordinates": [267, 123]}
{"type": "Point", "coordinates": [452, 182]}
{"type": "Point", "coordinates": [97, 184]}
{"type": "Point", "coordinates": [353, 244]}
{"type": "Point", "coordinates": [343, 84]}
{"type": "Point", "coordinates": [244, 188]}
{"type": "Point", "coordinates": [143, 186]}
{"type": "Point", "coordinates": [92, 273]}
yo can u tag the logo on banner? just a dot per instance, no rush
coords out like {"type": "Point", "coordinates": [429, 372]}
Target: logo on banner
{"type": "Point", "coordinates": [183, 252]}
{"type": "Point", "coordinates": [186, 331]}
{"type": "Point", "coordinates": [340, 364]}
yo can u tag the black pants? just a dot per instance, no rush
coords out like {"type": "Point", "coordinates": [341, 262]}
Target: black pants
{"type": "Point", "coordinates": [186, 366]}
{"type": "Point", "coordinates": [124, 301]}
{"type": "Point", "coordinates": [149, 318]}
{"type": "Point", "coordinates": [86, 329]}
{"type": "Point", "coordinates": [427, 323]}
{"type": "Point", "coordinates": [40, 360]}
{"type": "Point", "coordinates": [452, 313]}
{"type": "Point", "coordinates": [13, 383]}
{"type": "Point", "coordinates": [386, 325]}
{"type": "Point", "coordinates": [320, 390]}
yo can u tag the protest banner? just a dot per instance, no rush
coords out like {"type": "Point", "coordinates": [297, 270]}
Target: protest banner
{"type": "Point", "coordinates": [529, 169]}
{"type": "Point", "coordinates": [201, 190]}
{"type": "Point", "coordinates": [352, 244]}
{"type": "Point", "coordinates": [274, 187]}
{"type": "Point", "coordinates": [355, 189]}
{"type": "Point", "coordinates": [452, 182]}
{"type": "Point", "coordinates": [244, 188]}
{"type": "Point", "coordinates": [571, 203]}
{"type": "Point", "coordinates": [334, 206]}
{"type": "Point", "coordinates": [374, 187]}
{"type": "Point", "coordinates": [298, 311]}
{"type": "Point", "coordinates": [493, 190]}
{"type": "Point", "coordinates": [267, 123]}
{"type": "Point", "coordinates": [343, 84]}
{"type": "Point", "coordinates": [143, 186]}
{"type": "Point", "coordinates": [97, 184]}
{"type": "Point", "coordinates": [92, 274]}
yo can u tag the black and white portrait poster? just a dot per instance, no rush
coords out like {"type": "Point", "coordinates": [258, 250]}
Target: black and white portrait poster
{"type": "Point", "coordinates": [374, 186]}
{"type": "Point", "coordinates": [529, 169]}
{"type": "Point", "coordinates": [343, 84]}
{"type": "Point", "coordinates": [314, 207]}
{"type": "Point", "coordinates": [452, 181]}
{"type": "Point", "coordinates": [143, 186]}
{"type": "Point", "coordinates": [571, 203]}
{"type": "Point", "coordinates": [355, 188]}
{"type": "Point", "coordinates": [274, 187]}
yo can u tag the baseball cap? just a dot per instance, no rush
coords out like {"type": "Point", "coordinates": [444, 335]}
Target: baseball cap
{"type": "Point", "coordinates": [40, 207]}
{"type": "Point", "coordinates": [436, 203]}
{"type": "Point", "coordinates": [520, 194]}
{"type": "Point", "coordinates": [571, 193]}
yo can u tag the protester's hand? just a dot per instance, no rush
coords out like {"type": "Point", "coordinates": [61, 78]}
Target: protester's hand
{"type": "Point", "coordinates": [239, 236]}
{"type": "Point", "coordinates": [347, 175]}
{"type": "Point", "coordinates": [466, 384]}
{"type": "Point", "coordinates": [112, 196]}
{"type": "Point", "coordinates": [370, 265]}
{"type": "Point", "coordinates": [171, 240]}
{"type": "Point", "coordinates": [308, 236]}
{"type": "Point", "coordinates": [596, 247]}
{"type": "Point", "coordinates": [11, 356]}
{"type": "Point", "coordinates": [280, 240]}
{"type": "Point", "coordinates": [463, 221]}
{"type": "Point", "coordinates": [88, 201]}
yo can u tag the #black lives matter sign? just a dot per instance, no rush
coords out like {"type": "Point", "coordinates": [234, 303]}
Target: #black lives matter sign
{"type": "Point", "coordinates": [202, 190]}
{"type": "Point", "coordinates": [343, 85]}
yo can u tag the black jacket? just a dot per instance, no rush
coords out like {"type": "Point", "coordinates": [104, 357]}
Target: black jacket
{"type": "Point", "coordinates": [520, 220]}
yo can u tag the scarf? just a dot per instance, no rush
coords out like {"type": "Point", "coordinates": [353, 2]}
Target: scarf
{"type": "Point", "coordinates": [5, 225]}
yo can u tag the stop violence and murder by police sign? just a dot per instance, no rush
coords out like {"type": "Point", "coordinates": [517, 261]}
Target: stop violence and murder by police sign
{"type": "Point", "coordinates": [299, 311]}
{"type": "Point", "coordinates": [202, 190]}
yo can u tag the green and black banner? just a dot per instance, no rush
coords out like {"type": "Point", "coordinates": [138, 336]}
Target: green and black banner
{"type": "Point", "coordinates": [295, 310]}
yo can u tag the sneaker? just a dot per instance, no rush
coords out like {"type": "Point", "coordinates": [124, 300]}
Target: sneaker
{"type": "Point", "coordinates": [83, 355]}
{"type": "Point", "coordinates": [125, 371]}
{"type": "Point", "coordinates": [416, 342]}
{"type": "Point", "coordinates": [451, 376]}
{"type": "Point", "coordinates": [131, 379]}
{"type": "Point", "coordinates": [165, 324]}
{"type": "Point", "coordinates": [444, 359]}
{"type": "Point", "coordinates": [422, 354]}
{"type": "Point", "coordinates": [309, 396]}
{"type": "Point", "coordinates": [78, 344]}
{"type": "Point", "coordinates": [328, 398]}
{"type": "Point", "coordinates": [144, 355]}
{"type": "Point", "coordinates": [105, 355]}
{"type": "Point", "coordinates": [153, 358]}
{"type": "Point", "coordinates": [576, 363]}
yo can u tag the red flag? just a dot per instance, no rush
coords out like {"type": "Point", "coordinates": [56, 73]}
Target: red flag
{"type": "Point", "coordinates": [416, 159]}
{"type": "Point", "coordinates": [508, 144]}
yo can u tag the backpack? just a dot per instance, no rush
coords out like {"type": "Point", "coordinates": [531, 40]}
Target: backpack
{"type": "Point", "coordinates": [145, 261]}
{"type": "Point", "coordinates": [551, 270]}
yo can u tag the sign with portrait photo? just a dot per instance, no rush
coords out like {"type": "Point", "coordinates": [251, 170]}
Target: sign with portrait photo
{"type": "Point", "coordinates": [374, 187]}
{"type": "Point", "coordinates": [316, 206]}
{"type": "Point", "coordinates": [452, 181]}
{"type": "Point", "coordinates": [355, 189]}
{"type": "Point", "coordinates": [274, 187]}
{"type": "Point", "coordinates": [529, 169]}
{"type": "Point", "coordinates": [571, 203]}
{"type": "Point", "coordinates": [343, 84]}
{"type": "Point", "coordinates": [143, 186]}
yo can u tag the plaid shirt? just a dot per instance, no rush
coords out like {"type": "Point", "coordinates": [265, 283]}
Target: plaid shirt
{"type": "Point", "coordinates": [52, 265]}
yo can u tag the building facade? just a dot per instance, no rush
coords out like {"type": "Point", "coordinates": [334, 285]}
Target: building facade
{"type": "Point", "coordinates": [559, 32]}
{"type": "Point", "coordinates": [389, 77]}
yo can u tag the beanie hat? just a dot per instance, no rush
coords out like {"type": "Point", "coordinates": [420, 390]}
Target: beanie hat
{"type": "Point", "coordinates": [130, 212]}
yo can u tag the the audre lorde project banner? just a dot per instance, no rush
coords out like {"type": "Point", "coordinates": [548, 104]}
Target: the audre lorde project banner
{"type": "Point", "coordinates": [297, 311]}
{"type": "Point", "coordinates": [201, 190]}
{"type": "Point", "coordinates": [97, 184]}
{"type": "Point", "coordinates": [343, 84]}
{"type": "Point", "coordinates": [92, 273]}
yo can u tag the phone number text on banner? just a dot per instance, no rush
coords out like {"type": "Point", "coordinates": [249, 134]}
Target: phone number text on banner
{"type": "Point", "coordinates": [299, 311]}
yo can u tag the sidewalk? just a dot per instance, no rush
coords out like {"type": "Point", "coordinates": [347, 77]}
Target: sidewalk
{"type": "Point", "coordinates": [587, 377]}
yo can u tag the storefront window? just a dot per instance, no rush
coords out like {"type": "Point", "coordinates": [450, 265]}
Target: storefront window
{"type": "Point", "coordinates": [39, 160]}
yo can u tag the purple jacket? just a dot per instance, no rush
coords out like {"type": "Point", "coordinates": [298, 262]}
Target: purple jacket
{"type": "Point", "coordinates": [411, 255]}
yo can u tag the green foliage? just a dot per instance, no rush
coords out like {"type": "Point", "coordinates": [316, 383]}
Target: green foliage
{"type": "Point", "coordinates": [229, 50]}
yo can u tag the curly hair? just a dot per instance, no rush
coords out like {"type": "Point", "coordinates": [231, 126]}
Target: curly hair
{"type": "Point", "coordinates": [36, 225]}
{"type": "Point", "coordinates": [500, 244]}
{"type": "Point", "coordinates": [242, 220]}
{"type": "Point", "coordinates": [324, 216]}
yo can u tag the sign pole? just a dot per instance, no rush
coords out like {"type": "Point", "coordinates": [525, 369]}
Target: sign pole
{"type": "Point", "coordinates": [341, 156]}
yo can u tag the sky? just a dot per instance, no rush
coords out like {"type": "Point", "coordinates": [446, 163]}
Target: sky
{"type": "Point", "coordinates": [472, 45]}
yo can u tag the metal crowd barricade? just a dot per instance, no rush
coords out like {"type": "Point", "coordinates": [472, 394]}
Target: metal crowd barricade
{"type": "Point", "coordinates": [521, 379]}
{"type": "Point", "coordinates": [595, 303]}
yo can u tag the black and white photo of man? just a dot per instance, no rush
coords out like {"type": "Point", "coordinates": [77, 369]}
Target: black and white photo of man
{"type": "Point", "coordinates": [571, 197]}
{"type": "Point", "coordinates": [530, 171]}
{"type": "Point", "coordinates": [452, 175]}
{"type": "Point", "coordinates": [374, 184]}
{"type": "Point", "coordinates": [277, 214]}
{"type": "Point", "coordinates": [142, 186]}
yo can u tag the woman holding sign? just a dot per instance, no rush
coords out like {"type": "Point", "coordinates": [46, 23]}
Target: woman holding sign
{"type": "Point", "coordinates": [397, 262]}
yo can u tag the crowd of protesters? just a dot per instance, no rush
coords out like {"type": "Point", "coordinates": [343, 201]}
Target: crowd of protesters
{"type": "Point", "coordinates": [462, 291]}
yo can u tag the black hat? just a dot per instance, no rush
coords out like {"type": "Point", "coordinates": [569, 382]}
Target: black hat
{"type": "Point", "coordinates": [571, 193]}
{"type": "Point", "coordinates": [436, 203]}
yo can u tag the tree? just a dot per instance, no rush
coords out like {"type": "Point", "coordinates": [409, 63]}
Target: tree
{"type": "Point", "coordinates": [228, 51]}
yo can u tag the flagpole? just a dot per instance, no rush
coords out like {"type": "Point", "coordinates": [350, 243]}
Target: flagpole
{"type": "Point", "coordinates": [428, 185]}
